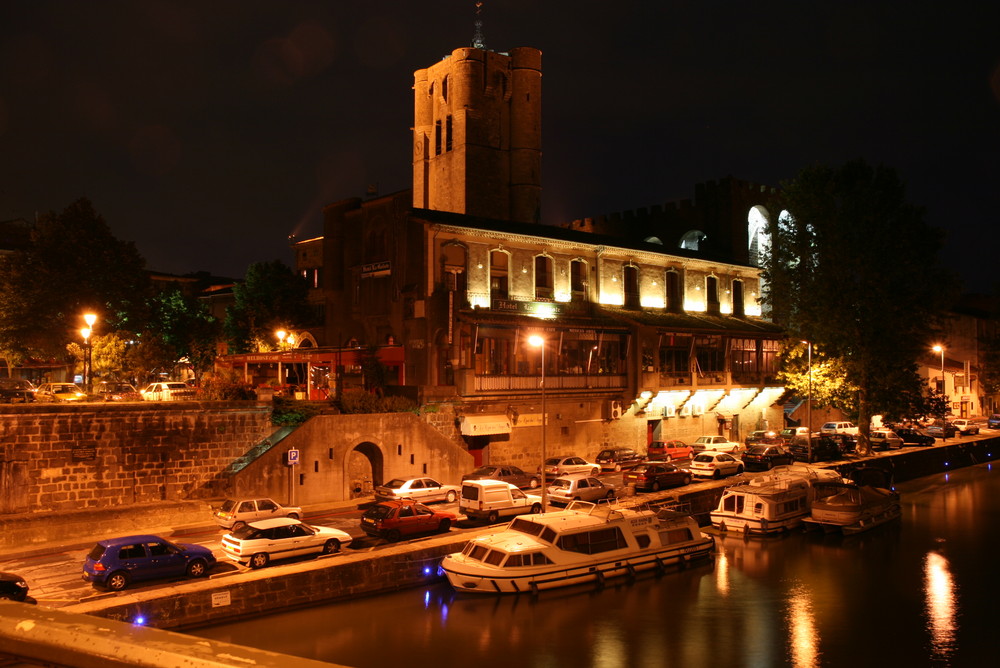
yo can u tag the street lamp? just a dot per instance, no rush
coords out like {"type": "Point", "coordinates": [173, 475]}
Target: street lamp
{"type": "Point", "coordinates": [281, 334]}
{"type": "Point", "coordinates": [809, 403]}
{"type": "Point", "coordinates": [86, 332]}
{"type": "Point", "coordinates": [940, 349]}
{"type": "Point", "coordinates": [539, 342]}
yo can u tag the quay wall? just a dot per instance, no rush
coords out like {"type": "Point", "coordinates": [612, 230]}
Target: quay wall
{"type": "Point", "coordinates": [56, 457]}
{"type": "Point", "coordinates": [248, 593]}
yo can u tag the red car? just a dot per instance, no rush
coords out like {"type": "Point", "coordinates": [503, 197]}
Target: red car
{"type": "Point", "coordinates": [654, 476]}
{"type": "Point", "coordinates": [673, 449]}
{"type": "Point", "coordinates": [394, 519]}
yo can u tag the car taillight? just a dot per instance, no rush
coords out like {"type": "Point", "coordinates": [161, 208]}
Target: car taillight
{"type": "Point", "coordinates": [99, 567]}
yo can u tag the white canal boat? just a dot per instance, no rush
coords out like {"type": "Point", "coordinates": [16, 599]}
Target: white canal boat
{"type": "Point", "coordinates": [771, 503]}
{"type": "Point", "coordinates": [851, 508]}
{"type": "Point", "coordinates": [581, 544]}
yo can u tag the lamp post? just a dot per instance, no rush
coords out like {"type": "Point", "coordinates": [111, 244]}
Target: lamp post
{"type": "Point", "coordinates": [940, 349]}
{"type": "Point", "coordinates": [539, 342]}
{"type": "Point", "coordinates": [86, 333]}
{"type": "Point", "coordinates": [809, 403]}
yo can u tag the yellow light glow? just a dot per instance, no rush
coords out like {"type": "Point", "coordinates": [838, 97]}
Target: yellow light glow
{"type": "Point", "coordinates": [85, 333]}
{"type": "Point", "coordinates": [90, 319]}
{"type": "Point", "coordinates": [940, 593]}
{"type": "Point", "coordinates": [536, 341]}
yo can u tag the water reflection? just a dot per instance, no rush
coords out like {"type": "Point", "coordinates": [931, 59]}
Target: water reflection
{"type": "Point", "coordinates": [804, 639]}
{"type": "Point", "coordinates": [940, 593]}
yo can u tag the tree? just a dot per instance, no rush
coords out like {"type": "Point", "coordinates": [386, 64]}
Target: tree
{"type": "Point", "coordinates": [185, 325]}
{"type": "Point", "coordinates": [853, 269]}
{"type": "Point", "coordinates": [271, 297]}
{"type": "Point", "coordinates": [72, 264]}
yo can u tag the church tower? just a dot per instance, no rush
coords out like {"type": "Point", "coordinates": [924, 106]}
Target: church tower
{"type": "Point", "coordinates": [477, 145]}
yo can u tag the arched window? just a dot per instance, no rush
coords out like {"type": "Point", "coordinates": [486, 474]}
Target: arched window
{"type": "Point", "coordinates": [675, 291]}
{"type": "Point", "coordinates": [757, 236]}
{"type": "Point", "coordinates": [630, 283]}
{"type": "Point", "coordinates": [543, 278]}
{"type": "Point", "coordinates": [691, 239]}
{"type": "Point", "coordinates": [712, 304]}
{"type": "Point", "coordinates": [739, 310]}
{"type": "Point", "coordinates": [499, 280]}
{"type": "Point", "coordinates": [578, 280]}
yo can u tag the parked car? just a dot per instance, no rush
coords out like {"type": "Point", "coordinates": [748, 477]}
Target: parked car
{"type": "Point", "coordinates": [993, 422]}
{"type": "Point", "coordinates": [712, 464]}
{"type": "Point", "coordinates": [715, 444]}
{"type": "Point", "coordinates": [557, 466]}
{"type": "Point", "coordinates": [12, 587]}
{"type": "Point", "coordinates": [839, 428]}
{"type": "Point", "coordinates": [942, 429]}
{"type": "Point", "coordinates": [654, 476]}
{"type": "Point", "coordinates": [394, 519]}
{"type": "Point", "coordinates": [616, 459]}
{"type": "Point", "coordinates": [506, 473]}
{"type": "Point", "coordinates": [237, 513]}
{"type": "Point", "coordinates": [14, 391]}
{"type": "Point", "coordinates": [579, 487]}
{"type": "Point", "coordinates": [492, 500]}
{"type": "Point", "coordinates": [60, 392]}
{"type": "Point", "coordinates": [965, 427]}
{"type": "Point", "coordinates": [788, 435]}
{"type": "Point", "coordinates": [257, 543]}
{"type": "Point", "coordinates": [914, 437]}
{"type": "Point", "coordinates": [116, 391]}
{"type": "Point", "coordinates": [419, 488]}
{"type": "Point", "coordinates": [884, 439]}
{"type": "Point", "coordinates": [765, 457]}
{"type": "Point", "coordinates": [824, 448]}
{"type": "Point", "coordinates": [169, 391]}
{"type": "Point", "coordinates": [672, 449]}
{"type": "Point", "coordinates": [117, 562]}
{"type": "Point", "coordinates": [762, 436]}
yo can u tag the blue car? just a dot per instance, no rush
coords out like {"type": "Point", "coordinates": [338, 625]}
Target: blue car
{"type": "Point", "coordinates": [994, 421]}
{"type": "Point", "coordinates": [116, 562]}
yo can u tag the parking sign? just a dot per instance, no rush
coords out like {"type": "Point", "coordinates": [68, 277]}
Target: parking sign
{"type": "Point", "coordinates": [293, 457]}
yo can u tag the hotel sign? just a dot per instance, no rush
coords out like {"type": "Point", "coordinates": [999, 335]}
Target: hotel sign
{"type": "Point", "coordinates": [376, 269]}
{"type": "Point", "coordinates": [527, 308]}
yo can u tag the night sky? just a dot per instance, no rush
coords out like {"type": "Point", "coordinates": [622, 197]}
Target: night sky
{"type": "Point", "coordinates": [207, 131]}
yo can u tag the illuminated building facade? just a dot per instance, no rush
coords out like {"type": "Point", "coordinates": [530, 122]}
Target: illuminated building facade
{"type": "Point", "coordinates": [652, 319]}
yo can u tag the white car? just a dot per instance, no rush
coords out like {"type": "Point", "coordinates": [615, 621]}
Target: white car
{"type": "Point", "coordinates": [557, 466]}
{"type": "Point", "coordinates": [258, 543]}
{"type": "Point", "coordinates": [839, 428]}
{"type": "Point", "coordinates": [422, 489]}
{"type": "Point", "coordinates": [715, 465]}
{"type": "Point", "coordinates": [965, 427]}
{"type": "Point", "coordinates": [580, 487]}
{"type": "Point", "coordinates": [235, 514]}
{"type": "Point", "coordinates": [172, 391]}
{"type": "Point", "coordinates": [715, 444]}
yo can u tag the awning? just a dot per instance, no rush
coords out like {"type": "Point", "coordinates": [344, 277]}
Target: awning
{"type": "Point", "coordinates": [484, 425]}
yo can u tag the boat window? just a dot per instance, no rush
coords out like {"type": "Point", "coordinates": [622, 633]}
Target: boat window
{"type": "Point", "coordinates": [527, 526]}
{"type": "Point", "coordinates": [515, 560]}
{"type": "Point", "coordinates": [734, 503]}
{"type": "Point", "coordinates": [495, 557]}
{"type": "Point", "coordinates": [539, 559]}
{"type": "Point", "coordinates": [758, 508]}
{"type": "Point", "coordinates": [549, 535]}
{"type": "Point", "coordinates": [642, 540]}
{"type": "Point", "coordinates": [675, 536]}
{"type": "Point", "coordinates": [478, 552]}
{"type": "Point", "coordinates": [593, 542]}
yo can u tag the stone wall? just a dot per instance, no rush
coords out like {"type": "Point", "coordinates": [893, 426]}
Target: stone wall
{"type": "Point", "coordinates": [67, 457]}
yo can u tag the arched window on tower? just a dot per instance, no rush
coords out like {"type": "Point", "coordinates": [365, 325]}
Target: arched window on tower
{"type": "Point", "coordinates": [691, 239]}
{"type": "Point", "coordinates": [544, 288]}
{"type": "Point", "coordinates": [630, 276]}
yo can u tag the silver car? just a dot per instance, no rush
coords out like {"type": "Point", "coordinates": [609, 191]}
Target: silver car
{"type": "Point", "coordinates": [237, 513]}
{"type": "Point", "coordinates": [580, 487]}
{"type": "Point", "coordinates": [258, 543]}
{"type": "Point", "coordinates": [422, 489]}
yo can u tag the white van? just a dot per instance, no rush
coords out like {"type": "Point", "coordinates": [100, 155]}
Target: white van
{"type": "Point", "coordinates": [492, 499]}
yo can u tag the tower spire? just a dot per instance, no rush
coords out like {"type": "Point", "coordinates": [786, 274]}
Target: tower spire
{"type": "Point", "coordinates": [477, 37]}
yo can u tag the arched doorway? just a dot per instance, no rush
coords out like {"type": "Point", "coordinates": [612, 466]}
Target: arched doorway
{"type": "Point", "coordinates": [365, 469]}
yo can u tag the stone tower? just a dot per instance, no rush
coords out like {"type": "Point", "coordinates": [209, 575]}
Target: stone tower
{"type": "Point", "coordinates": [477, 139]}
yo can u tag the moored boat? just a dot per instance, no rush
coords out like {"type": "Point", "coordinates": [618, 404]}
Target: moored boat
{"type": "Point", "coordinates": [584, 543]}
{"type": "Point", "coordinates": [772, 503]}
{"type": "Point", "coordinates": [852, 508]}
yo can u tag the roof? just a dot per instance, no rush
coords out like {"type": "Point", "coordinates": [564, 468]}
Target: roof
{"type": "Point", "coordinates": [128, 540]}
{"type": "Point", "coordinates": [274, 522]}
{"type": "Point", "coordinates": [692, 321]}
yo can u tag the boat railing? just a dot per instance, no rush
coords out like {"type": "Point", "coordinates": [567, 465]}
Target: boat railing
{"type": "Point", "coordinates": [606, 509]}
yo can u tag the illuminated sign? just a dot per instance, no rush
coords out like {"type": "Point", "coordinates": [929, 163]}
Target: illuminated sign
{"type": "Point", "coordinates": [376, 269]}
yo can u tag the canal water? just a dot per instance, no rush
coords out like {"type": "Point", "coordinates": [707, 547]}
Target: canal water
{"type": "Point", "coordinates": [919, 592]}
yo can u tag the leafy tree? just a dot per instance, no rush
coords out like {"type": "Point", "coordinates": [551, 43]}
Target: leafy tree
{"type": "Point", "coordinates": [149, 357]}
{"type": "Point", "coordinates": [72, 264]}
{"type": "Point", "coordinates": [271, 297]}
{"type": "Point", "coordinates": [852, 268]}
{"type": "Point", "coordinates": [186, 326]}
